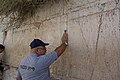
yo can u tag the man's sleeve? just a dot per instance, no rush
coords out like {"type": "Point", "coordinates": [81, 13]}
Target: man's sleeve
{"type": "Point", "coordinates": [18, 75]}
{"type": "Point", "coordinates": [49, 58]}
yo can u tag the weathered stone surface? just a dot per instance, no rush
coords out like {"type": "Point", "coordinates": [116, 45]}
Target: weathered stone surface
{"type": "Point", "coordinates": [94, 39]}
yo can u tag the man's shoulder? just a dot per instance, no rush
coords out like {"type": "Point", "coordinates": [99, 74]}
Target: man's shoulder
{"type": "Point", "coordinates": [49, 54]}
{"type": "Point", "coordinates": [24, 59]}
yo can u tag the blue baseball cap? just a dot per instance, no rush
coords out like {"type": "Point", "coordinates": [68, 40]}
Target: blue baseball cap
{"type": "Point", "coordinates": [37, 42]}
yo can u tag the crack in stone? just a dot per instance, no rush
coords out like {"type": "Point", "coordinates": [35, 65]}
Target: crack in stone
{"type": "Point", "coordinates": [92, 74]}
{"type": "Point", "coordinates": [99, 27]}
{"type": "Point", "coordinates": [117, 1]}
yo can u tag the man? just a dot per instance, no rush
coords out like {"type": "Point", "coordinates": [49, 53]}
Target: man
{"type": "Point", "coordinates": [3, 67]}
{"type": "Point", "coordinates": [2, 48]}
{"type": "Point", "coordinates": [35, 66]}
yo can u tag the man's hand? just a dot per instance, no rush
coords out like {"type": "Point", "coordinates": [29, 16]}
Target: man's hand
{"type": "Point", "coordinates": [18, 78]}
{"type": "Point", "coordinates": [64, 38]}
{"type": "Point", "coordinates": [62, 47]}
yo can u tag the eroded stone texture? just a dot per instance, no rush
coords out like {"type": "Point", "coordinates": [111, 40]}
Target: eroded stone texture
{"type": "Point", "coordinates": [94, 39]}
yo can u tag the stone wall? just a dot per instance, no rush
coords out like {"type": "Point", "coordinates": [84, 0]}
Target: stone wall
{"type": "Point", "coordinates": [94, 39]}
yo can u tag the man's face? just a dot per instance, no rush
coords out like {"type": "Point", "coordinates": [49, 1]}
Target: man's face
{"type": "Point", "coordinates": [41, 50]}
{"type": "Point", "coordinates": [1, 50]}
